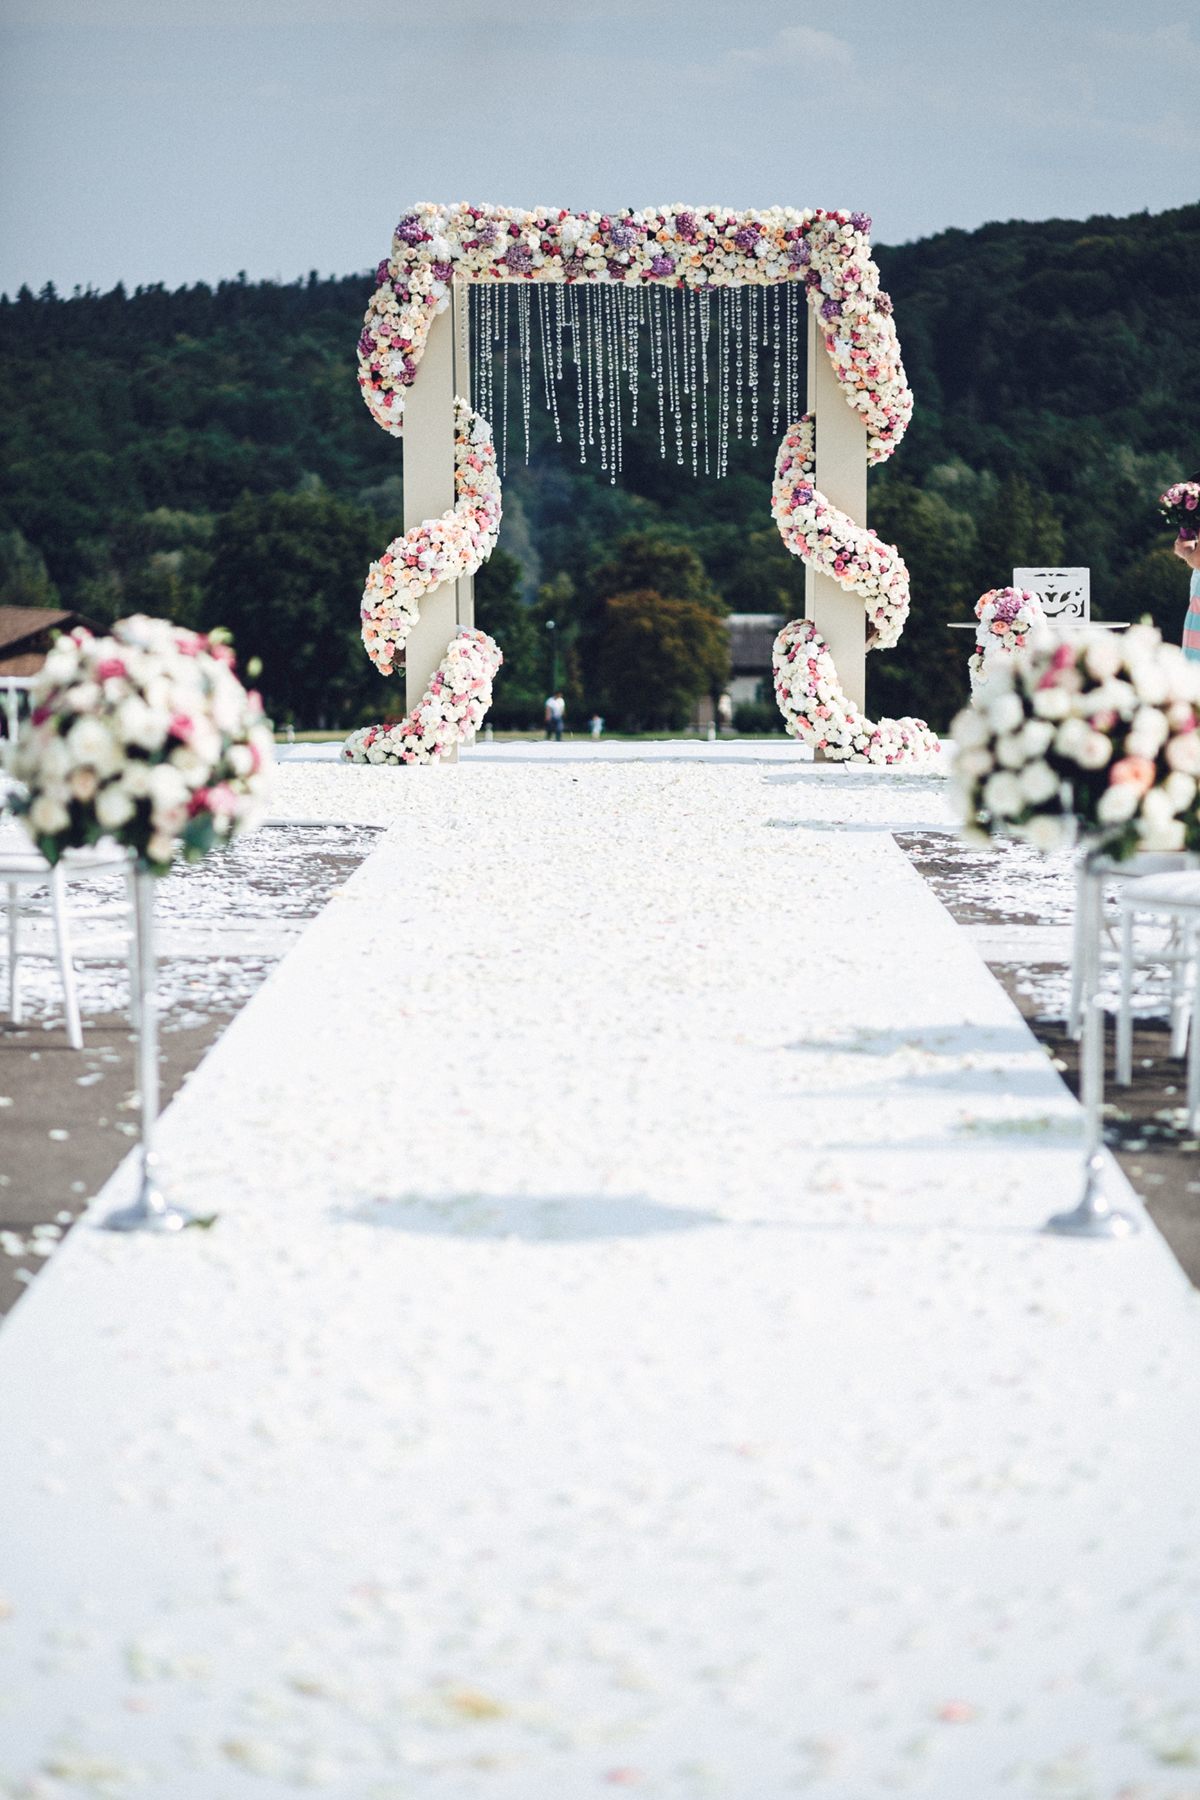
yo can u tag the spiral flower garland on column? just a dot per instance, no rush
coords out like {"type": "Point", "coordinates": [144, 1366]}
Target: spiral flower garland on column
{"type": "Point", "coordinates": [676, 247]}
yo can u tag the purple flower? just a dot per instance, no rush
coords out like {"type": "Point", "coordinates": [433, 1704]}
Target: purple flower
{"type": "Point", "coordinates": [409, 229]}
{"type": "Point", "coordinates": [381, 273]}
{"type": "Point", "coordinates": [861, 222]}
{"type": "Point", "coordinates": [366, 343]}
{"type": "Point", "coordinates": [832, 309]}
{"type": "Point", "coordinates": [519, 258]}
{"type": "Point", "coordinates": [1006, 610]}
{"type": "Point", "coordinates": [883, 304]}
{"type": "Point", "coordinates": [485, 231]}
{"type": "Point", "coordinates": [442, 271]}
{"type": "Point", "coordinates": [662, 265]}
{"type": "Point", "coordinates": [799, 255]}
{"type": "Point", "coordinates": [746, 238]}
{"type": "Point", "coordinates": [685, 225]}
{"type": "Point", "coordinates": [622, 236]}
{"type": "Point", "coordinates": [812, 279]}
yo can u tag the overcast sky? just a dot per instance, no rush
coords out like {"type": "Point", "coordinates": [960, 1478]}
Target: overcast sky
{"type": "Point", "coordinates": [177, 140]}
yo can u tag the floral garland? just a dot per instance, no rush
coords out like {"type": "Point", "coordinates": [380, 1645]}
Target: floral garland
{"type": "Point", "coordinates": [1006, 617]}
{"type": "Point", "coordinates": [438, 549]}
{"type": "Point", "coordinates": [671, 246]}
{"type": "Point", "coordinates": [681, 247]}
{"type": "Point", "coordinates": [1093, 736]}
{"type": "Point", "coordinates": [817, 711]}
{"type": "Point", "coordinates": [146, 737]}
{"type": "Point", "coordinates": [452, 707]}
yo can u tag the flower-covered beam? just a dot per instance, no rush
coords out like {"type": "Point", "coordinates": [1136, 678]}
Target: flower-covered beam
{"type": "Point", "coordinates": [700, 251]}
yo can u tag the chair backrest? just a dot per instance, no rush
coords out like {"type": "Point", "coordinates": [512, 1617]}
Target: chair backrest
{"type": "Point", "coordinates": [1064, 593]}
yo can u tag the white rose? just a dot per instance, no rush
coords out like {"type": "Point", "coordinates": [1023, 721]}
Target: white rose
{"type": "Point", "coordinates": [168, 789]}
{"type": "Point", "coordinates": [135, 778]}
{"type": "Point", "coordinates": [1038, 735]}
{"type": "Point", "coordinates": [1005, 712]}
{"type": "Point", "coordinates": [1047, 832]}
{"type": "Point", "coordinates": [1183, 752]}
{"type": "Point", "coordinates": [1148, 732]}
{"type": "Point", "coordinates": [1150, 682]}
{"type": "Point", "coordinates": [1038, 782]}
{"type": "Point", "coordinates": [1051, 703]}
{"type": "Point", "coordinates": [1003, 796]}
{"type": "Point", "coordinates": [971, 764]}
{"type": "Point", "coordinates": [48, 816]}
{"type": "Point", "coordinates": [193, 768]}
{"type": "Point", "coordinates": [139, 724]}
{"type": "Point", "coordinates": [1071, 736]}
{"type": "Point", "coordinates": [1010, 750]}
{"type": "Point", "coordinates": [1095, 750]}
{"type": "Point", "coordinates": [1180, 790]}
{"type": "Point", "coordinates": [91, 743]}
{"type": "Point", "coordinates": [113, 807]}
{"type": "Point", "coordinates": [1103, 656]}
{"type": "Point", "coordinates": [160, 848]}
{"type": "Point", "coordinates": [1117, 804]}
{"type": "Point", "coordinates": [1166, 834]}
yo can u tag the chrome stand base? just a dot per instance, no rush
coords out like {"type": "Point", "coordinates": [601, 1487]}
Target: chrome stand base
{"type": "Point", "coordinates": [150, 1211]}
{"type": "Point", "coordinates": [1093, 1217]}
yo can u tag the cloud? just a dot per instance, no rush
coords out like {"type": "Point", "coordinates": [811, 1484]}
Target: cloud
{"type": "Point", "coordinates": [803, 45]}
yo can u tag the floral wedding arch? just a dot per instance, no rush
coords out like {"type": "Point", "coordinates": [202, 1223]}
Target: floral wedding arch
{"type": "Point", "coordinates": [622, 259]}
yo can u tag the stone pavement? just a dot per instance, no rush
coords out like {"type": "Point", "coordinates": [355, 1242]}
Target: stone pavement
{"type": "Point", "coordinates": [626, 1355]}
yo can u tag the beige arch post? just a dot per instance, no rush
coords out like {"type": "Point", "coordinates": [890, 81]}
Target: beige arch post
{"type": "Point", "coordinates": [429, 486]}
{"type": "Point", "coordinates": [841, 475]}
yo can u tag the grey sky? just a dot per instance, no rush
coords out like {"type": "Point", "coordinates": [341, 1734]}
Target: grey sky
{"type": "Point", "coordinates": [176, 140]}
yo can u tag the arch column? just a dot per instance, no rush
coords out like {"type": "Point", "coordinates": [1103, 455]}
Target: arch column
{"type": "Point", "coordinates": [841, 475]}
{"type": "Point", "coordinates": [444, 371]}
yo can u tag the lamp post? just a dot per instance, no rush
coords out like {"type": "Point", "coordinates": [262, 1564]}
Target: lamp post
{"type": "Point", "coordinates": [550, 626]}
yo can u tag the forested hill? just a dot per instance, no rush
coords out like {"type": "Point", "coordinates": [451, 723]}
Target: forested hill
{"type": "Point", "coordinates": [1056, 369]}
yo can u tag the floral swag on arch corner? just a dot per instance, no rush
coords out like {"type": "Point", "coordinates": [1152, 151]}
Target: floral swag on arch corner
{"type": "Point", "coordinates": [700, 251]}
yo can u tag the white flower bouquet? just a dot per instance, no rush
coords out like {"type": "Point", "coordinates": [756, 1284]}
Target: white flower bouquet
{"type": "Point", "coordinates": [146, 737]}
{"type": "Point", "coordinates": [1095, 738]}
{"type": "Point", "coordinates": [1006, 617]}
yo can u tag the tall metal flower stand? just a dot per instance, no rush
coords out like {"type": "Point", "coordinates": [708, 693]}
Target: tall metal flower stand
{"type": "Point", "coordinates": [150, 1211]}
{"type": "Point", "coordinates": [1095, 1216]}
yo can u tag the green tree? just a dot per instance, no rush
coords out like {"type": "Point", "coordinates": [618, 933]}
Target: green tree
{"type": "Point", "coordinates": [24, 579]}
{"type": "Point", "coordinates": [1155, 586]}
{"type": "Point", "coordinates": [926, 672]}
{"type": "Point", "coordinates": [286, 579]}
{"type": "Point", "coordinates": [646, 563]}
{"type": "Point", "coordinates": [657, 656]}
{"type": "Point", "coordinates": [500, 611]}
{"type": "Point", "coordinates": [1016, 529]}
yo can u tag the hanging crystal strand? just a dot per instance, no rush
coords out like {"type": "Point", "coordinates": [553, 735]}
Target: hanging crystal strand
{"type": "Point", "coordinates": [797, 354]}
{"type": "Point", "coordinates": [635, 320]}
{"type": "Point", "coordinates": [523, 355]}
{"type": "Point", "coordinates": [705, 332]}
{"type": "Point", "coordinates": [504, 373]}
{"type": "Point", "coordinates": [738, 299]}
{"type": "Point", "coordinates": [657, 348]}
{"type": "Point", "coordinates": [676, 402]}
{"type": "Point", "coordinates": [574, 310]}
{"type": "Point", "coordinates": [726, 380]}
{"type": "Point", "coordinates": [775, 399]}
{"type": "Point", "coordinates": [547, 341]}
{"type": "Point", "coordinates": [614, 363]}
{"type": "Point", "coordinates": [598, 377]}
{"type": "Point", "coordinates": [540, 303]}
{"type": "Point", "coordinates": [789, 383]}
{"type": "Point", "coordinates": [689, 340]}
{"type": "Point", "coordinates": [752, 298]}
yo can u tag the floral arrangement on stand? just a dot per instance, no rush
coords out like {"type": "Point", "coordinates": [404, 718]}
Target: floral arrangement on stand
{"type": "Point", "coordinates": [146, 737]}
{"type": "Point", "coordinates": [1181, 505]}
{"type": "Point", "coordinates": [1006, 617]}
{"type": "Point", "coordinates": [437, 550]}
{"type": "Point", "coordinates": [1094, 738]}
{"type": "Point", "coordinates": [827, 252]}
{"type": "Point", "coordinates": [453, 706]}
{"type": "Point", "coordinates": [818, 712]}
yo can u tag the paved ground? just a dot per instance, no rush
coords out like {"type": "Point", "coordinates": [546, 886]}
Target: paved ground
{"type": "Point", "coordinates": [68, 1117]}
{"type": "Point", "coordinates": [626, 1355]}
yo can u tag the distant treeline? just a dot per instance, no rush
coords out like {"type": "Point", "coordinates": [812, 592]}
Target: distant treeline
{"type": "Point", "coordinates": [205, 455]}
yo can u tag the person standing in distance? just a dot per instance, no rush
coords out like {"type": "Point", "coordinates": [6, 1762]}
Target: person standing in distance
{"type": "Point", "coordinates": [556, 706]}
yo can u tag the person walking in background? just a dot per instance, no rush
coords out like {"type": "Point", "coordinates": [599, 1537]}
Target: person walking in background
{"type": "Point", "coordinates": [595, 725]}
{"type": "Point", "coordinates": [556, 706]}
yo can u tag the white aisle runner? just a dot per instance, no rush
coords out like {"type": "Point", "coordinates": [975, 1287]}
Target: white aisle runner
{"type": "Point", "coordinates": [625, 1357]}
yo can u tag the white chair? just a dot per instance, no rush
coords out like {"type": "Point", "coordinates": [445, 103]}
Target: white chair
{"type": "Point", "coordinates": [1093, 943]}
{"type": "Point", "coordinates": [22, 871]}
{"type": "Point", "coordinates": [1176, 899]}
